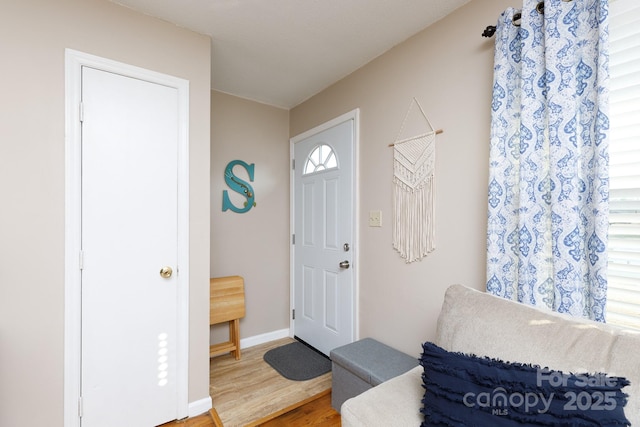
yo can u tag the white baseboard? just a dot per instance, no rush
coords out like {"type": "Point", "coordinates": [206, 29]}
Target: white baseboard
{"type": "Point", "coordinates": [199, 407]}
{"type": "Point", "coordinates": [263, 338]}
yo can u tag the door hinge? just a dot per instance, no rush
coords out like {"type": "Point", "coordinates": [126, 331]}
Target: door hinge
{"type": "Point", "coordinates": [81, 112]}
{"type": "Point", "coordinates": [81, 260]}
{"type": "Point", "coordinates": [293, 239]}
{"type": "Point", "coordinates": [293, 314]}
{"type": "Point", "coordinates": [80, 407]}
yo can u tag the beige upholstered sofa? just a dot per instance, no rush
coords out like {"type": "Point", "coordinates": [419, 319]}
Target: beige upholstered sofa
{"type": "Point", "coordinates": [477, 323]}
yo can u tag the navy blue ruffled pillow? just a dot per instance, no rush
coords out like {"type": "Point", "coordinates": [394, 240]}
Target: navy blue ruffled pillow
{"type": "Point", "coordinates": [467, 391]}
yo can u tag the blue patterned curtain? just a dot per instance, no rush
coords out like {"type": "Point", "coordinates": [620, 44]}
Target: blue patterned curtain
{"type": "Point", "coordinates": [548, 179]}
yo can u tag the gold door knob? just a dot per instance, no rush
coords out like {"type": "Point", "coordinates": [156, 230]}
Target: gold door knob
{"type": "Point", "coordinates": [166, 272]}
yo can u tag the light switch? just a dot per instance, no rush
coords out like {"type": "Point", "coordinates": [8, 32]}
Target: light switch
{"type": "Point", "coordinates": [375, 218]}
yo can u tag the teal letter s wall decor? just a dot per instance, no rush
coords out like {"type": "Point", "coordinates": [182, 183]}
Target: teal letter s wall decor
{"type": "Point", "coordinates": [239, 186]}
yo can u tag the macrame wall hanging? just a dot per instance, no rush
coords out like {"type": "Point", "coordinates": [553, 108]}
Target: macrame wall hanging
{"type": "Point", "coordinates": [414, 160]}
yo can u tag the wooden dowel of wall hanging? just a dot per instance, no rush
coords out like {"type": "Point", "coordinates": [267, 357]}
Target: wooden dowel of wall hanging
{"type": "Point", "coordinates": [438, 132]}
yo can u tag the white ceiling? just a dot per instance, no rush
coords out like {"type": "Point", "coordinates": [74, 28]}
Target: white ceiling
{"type": "Point", "coordinates": [282, 52]}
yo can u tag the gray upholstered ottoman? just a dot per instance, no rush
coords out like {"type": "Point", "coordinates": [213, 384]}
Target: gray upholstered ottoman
{"type": "Point", "coordinates": [364, 364]}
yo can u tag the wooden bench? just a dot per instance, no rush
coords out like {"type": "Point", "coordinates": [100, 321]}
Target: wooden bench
{"type": "Point", "coordinates": [226, 304]}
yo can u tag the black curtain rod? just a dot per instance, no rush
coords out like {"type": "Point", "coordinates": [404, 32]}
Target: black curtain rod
{"type": "Point", "coordinates": [491, 29]}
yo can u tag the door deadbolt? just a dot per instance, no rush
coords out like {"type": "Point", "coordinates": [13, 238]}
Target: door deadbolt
{"type": "Point", "coordinates": [166, 272]}
{"type": "Point", "coordinates": [346, 247]}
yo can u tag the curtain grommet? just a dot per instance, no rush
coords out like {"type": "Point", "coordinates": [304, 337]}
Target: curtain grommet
{"type": "Point", "coordinates": [517, 19]}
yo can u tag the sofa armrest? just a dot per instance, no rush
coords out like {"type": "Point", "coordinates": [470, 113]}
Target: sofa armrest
{"type": "Point", "coordinates": [396, 402]}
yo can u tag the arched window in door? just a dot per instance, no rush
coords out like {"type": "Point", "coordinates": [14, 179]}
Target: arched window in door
{"type": "Point", "coordinates": [321, 158]}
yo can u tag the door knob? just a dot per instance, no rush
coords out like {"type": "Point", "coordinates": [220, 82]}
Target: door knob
{"type": "Point", "coordinates": [166, 272]}
{"type": "Point", "coordinates": [344, 264]}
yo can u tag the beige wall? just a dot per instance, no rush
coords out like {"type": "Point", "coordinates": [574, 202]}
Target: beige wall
{"type": "Point", "coordinates": [448, 68]}
{"type": "Point", "coordinates": [254, 244]}
{"type": "Point", "coordinates": [33, 38]}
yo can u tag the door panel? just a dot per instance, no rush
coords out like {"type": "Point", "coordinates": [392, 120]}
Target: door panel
{"type": "Point", "coordinates": [331, 301]}
{"type": "Point", "coordinates": [323, 224]}
{"type": "Point", "coordinates": [129, 232]}
{"type": "Point", "coordinates": [331, 214]}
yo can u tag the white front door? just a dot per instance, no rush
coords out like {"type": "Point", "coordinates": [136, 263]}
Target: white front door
{"type": "Point", "coordinates": [129, 233]}
{"type": "Point", "coordinates": [323, 282]}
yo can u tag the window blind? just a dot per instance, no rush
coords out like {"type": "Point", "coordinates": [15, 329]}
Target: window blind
{"type": "Point", "coordinates": [623, 298]}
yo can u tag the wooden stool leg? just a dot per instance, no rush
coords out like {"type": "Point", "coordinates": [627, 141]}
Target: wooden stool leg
{"type": "Point", "coordinates": [234, 336]}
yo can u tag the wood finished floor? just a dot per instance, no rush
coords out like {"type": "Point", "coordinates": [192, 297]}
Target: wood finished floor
{"type": "Point", "coordinates": [318, 413]}
{"type": "Point", "coordinates": [248, 393]}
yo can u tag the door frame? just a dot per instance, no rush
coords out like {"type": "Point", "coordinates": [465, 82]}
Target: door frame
{"type": "Point", "coordinates": [351, 115]}
{"type": "Point", "coordinates": [74, 61]}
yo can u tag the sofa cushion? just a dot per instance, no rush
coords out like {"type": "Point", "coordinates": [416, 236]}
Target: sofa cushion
{"type": "Point", "coordinates": [475, 322]}
{"type": "Point", "coordinates": [464, 390]}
